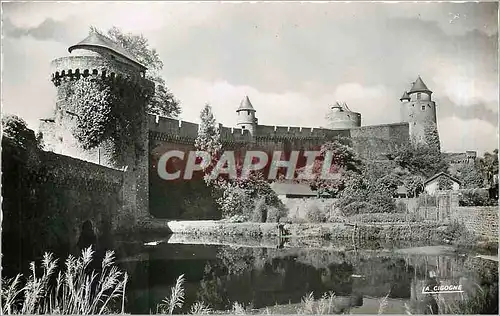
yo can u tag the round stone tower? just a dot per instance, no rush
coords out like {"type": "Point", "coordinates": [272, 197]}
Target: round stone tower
{"type": "Point", "coordinates": [97, 57]}
{"type": "Point", "coordinates": [418, 109]}
{"type": "Point", "coordinates": [100, 58]}
{"type": "Point", "coordinates": [246, 116]}
{"type": "Point", "coordinates": [341, 117]}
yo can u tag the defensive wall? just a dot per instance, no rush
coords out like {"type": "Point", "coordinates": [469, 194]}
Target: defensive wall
{"type": "Point", "coordinates": [52, 195]}
{"type": "Point", "coordinates": [191, 199]}
{"type": "Point", "coordinates": [367, 140]}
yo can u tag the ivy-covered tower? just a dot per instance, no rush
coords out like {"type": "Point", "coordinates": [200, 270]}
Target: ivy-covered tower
{"type": "Point", "coordinates": [419, 110]}
{"type": "Point", "coordinates": [100, 113]}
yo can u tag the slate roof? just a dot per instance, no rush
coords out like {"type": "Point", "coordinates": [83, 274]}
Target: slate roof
{"type": "Point", "coordinates": [402, 190]}
{"type": "Point", "coordinates": [292, 189]}
{"type": "Point", "coordinates": [98, 40]}
{"type": "Point", "coordinates": [419, 86]}
{"type": "Point", "coordinates": [437, 175]}
{"type": "Point", "coordinates": [405, 96]}
{"type": "Point", "coordinates": [246, 105]}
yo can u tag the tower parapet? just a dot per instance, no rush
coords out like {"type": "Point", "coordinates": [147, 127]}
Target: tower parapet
{"type": "Point", "coordinates": [341, 117]}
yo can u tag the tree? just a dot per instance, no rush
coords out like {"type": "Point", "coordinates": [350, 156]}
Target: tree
{"type": "Point", "coordinates": [343, 159]}
{"type": "Point", "coordinates": [470, 176]}
{"type": "Point", "coordinates": [163, 102]}
{"type": "Point", "coordinates": [488, 166]}
{"type": "Point", "coordinates": [432, 136]}
{"type": "Point", "coordinates": [420, 159]}
{"type": "Point", "coordinates": [16, 130]}
{"type": "Point", "coordinates": [208, 138]}
{"type": "Point", "coordinates": [414, 184]}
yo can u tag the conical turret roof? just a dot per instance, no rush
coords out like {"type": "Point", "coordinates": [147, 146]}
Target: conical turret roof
{"type": "Point", "coordinates": [246, 105]}
{"type": "Point", "coordinates": [419, 86]}
{"type": "Point", "coordinates": [405, 96]}
{"type": "Point", "coordinates": [98, 40]}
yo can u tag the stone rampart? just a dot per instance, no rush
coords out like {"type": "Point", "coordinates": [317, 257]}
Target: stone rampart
{"type": "Point", "coordinates": [54, 195]}
{"type": "Point", "coordinates": [480, 220]}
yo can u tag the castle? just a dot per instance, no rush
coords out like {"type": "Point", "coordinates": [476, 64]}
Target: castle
{"type": "Point", "coordinates": [99, 57]}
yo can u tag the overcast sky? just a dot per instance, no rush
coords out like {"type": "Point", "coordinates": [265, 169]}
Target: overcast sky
{"type": "Point", "coordinates": [293, 60]}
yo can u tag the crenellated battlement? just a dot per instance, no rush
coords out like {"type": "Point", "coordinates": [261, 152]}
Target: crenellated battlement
{"type": "Point", "coordinates": [75, 67]}
{"type": "Point", "coordinates": [175, 129]}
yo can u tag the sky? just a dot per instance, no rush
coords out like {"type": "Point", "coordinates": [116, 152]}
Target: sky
{"type": "Point", "coordinates": [293, 60]}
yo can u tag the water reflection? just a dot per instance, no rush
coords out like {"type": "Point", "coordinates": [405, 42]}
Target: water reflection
{"type": "Point", "coordinates": [265, 277]}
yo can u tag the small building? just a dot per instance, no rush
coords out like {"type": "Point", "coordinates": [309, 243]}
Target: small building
{"type": "Point", "coordinates": [435, 183]}
{"type": "Point", "coordinates": [401, 192]}
{"type": "Point", "coordinates": [292, 190]}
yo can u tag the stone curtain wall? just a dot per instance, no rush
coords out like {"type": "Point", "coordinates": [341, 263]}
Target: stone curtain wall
{"type": "Point", "coordinates": [481, 220]}
{"type": "Point", "coordinates": [48, 197]}
{"type": "Point", "coordinates": [88, 191]}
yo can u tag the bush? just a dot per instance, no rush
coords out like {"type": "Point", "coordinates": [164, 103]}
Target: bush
{"type": "Point", "coordinates": [315, 215]}
{"type": "Point", "coordinates": [401, 207]}
{"type": "Point", "coordinates": [354, 208]}
{"type": "Point", "coordinates": [259, 213]}
{"type": "Point", "coordinates": [457, 233]}
{"type": "Point", "coordinates": [476, 198]}
{"type": "Point", "coordinates": [273, 214]}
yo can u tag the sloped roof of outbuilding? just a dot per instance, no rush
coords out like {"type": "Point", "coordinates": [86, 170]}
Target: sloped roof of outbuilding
{"type": "Point", "coordinates": [437, 175]}
{"type": "Point", "coordinates": [98, 40]}
{"type": "Point", "coordinates": [292, 189]}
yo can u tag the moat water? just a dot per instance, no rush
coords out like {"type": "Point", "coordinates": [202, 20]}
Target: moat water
{"type": "Point", "coordinates": [260, 275]}
{"type": "Point", "coordinates": [276, 274]}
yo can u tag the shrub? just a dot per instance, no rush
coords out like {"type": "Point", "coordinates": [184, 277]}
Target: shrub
{"type": "Point", "coordinates": [273, 214]}
{"type": "Point", "coordinates": [357, 208]}
{"type": "Point", "coordinates": [458, 233]}
{"type": "Point", "coordinates": [401, 207]}
{"type": "Point", "coordinates": [315, 215]}
{"type": "Point", "coordinates": [259, 213]}
{"type": "Point", "coordinates": [476, 198]}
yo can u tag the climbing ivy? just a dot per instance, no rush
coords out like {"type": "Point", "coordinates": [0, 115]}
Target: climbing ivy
{"type": "Point", "coordinates": [108, 113]}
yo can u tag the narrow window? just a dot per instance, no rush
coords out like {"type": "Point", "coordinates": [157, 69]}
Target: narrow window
{"type": "Point", "coordinates": [248, 112]}
{"type": "Point", "coordinates": [419, 96]}
{"type": "Point", "coordinates": [423, 107]}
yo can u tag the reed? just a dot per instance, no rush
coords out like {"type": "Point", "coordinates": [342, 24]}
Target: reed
{"type": "Point", "coordinates": [75, 290]}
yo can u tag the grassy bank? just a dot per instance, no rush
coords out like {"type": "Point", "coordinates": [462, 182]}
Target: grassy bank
{"type": "Point", "coordinates": [386, 231]}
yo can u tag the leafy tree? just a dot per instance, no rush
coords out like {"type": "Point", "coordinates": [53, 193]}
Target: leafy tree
{"type": "Point", "coordinates": [470, 176]}
{"type": "Point", "coordinates": [414, 184]}
{"type": "Point", "coordinates": [432, 136]}
{"type": "Point", "coordinates": [420, 159]}
{"type": "Point", "coordinates": [362, 196]}
{"type": "Point", "coordinates": [488, 165]}
{"type": "Point", "coordinates": [16, 130]}
{"type": "Point", "coordinates": [163, 102]}
{"type": "Point", "coordinates": [208, 139]}
{"type": "Point", "coordinates": [343, 158]}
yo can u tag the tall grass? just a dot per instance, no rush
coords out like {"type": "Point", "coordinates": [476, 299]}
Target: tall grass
{"type": "Point", "coordinates": [76, 290]}
{"type": "Point", "coordinates": [176, 299]}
